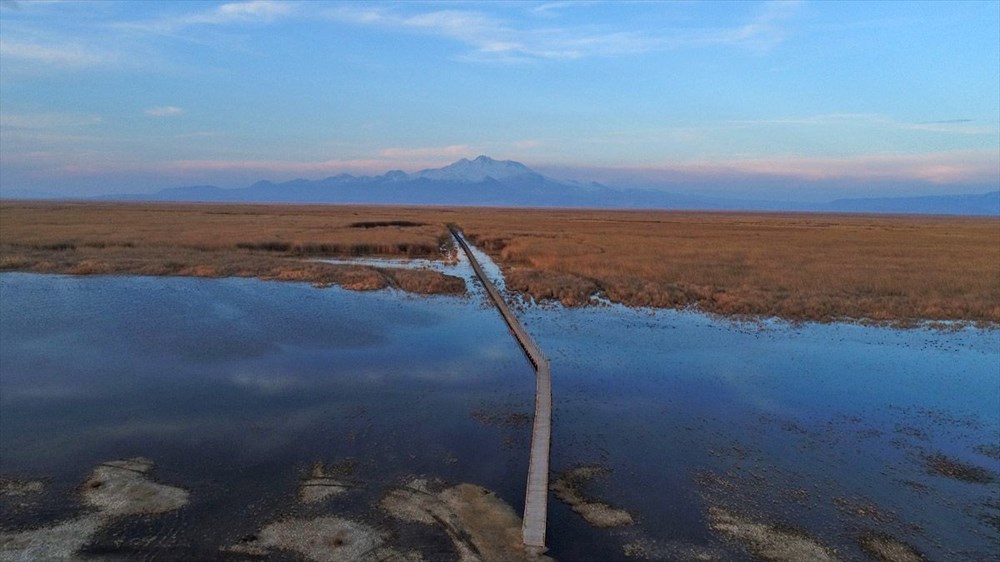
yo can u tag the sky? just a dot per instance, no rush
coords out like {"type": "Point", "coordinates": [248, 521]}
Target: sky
{"type": "Point", "coordinates": [781, 100]}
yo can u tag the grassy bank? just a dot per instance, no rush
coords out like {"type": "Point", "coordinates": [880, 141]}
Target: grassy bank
{"type": "Point", "coordinates": [272, 242]}
{"type": "Point", "coordinates": [795, 266]}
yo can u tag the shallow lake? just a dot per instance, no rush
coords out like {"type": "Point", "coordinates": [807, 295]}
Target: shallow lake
{"type": "Point", "coordinates": [236, 388]}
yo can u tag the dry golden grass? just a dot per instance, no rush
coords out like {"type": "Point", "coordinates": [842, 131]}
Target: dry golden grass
{"type": "Point", "coordinates": [271, 242]}
{"type": "Point", "coordinates": [795, 266]}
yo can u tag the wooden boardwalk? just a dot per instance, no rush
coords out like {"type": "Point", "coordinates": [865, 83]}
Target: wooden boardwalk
{"type": "Point", "coordinates": [536, 495]}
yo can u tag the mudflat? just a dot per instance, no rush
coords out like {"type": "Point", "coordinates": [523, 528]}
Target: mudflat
{"type": "Point", "coordinates": [813, 267]}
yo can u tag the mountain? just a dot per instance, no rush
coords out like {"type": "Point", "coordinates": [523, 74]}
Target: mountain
{"type": "Point", "coordinates": [482, 181]}
{"type": "Point", "coordinates": [505, 183]}
{"type": "Point", "coordinates": [977, 204]}
{"type": "Point", "coordinates": [25, 194]}
{"type": "Point", "coordinates": [481, 169]}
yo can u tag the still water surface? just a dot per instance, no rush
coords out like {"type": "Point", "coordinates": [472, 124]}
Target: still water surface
{"type": "Point", "coordinates": [236, 387]}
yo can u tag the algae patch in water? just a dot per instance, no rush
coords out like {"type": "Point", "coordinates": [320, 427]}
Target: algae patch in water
{"type": "Point", "coordinates": [861, 508]}
{"type": "Point", "coordinates": [17, 488]}
{"type": "Point", "coordinates": [123, 487]}
{"type": "Point", "coordinates": [324, 539]}
{"type": "Point", "coordinates": [481, 526]}
{"type": "Point", "coordinates": [56, 542]}
{"type": "Point", "coordinates": [644, 548]}
{"type": "Point", "coordinates": [326, 482]}
{"type": "Point", "coordinates": [769, 542]}
{"type": "Point", "coordinates": [506, 420]}
{"type": "Point", "coordinates": [568, 488]}
{"type": "Point", "coordinates": [991, 450]}
{"type": "Point", "coordinates": [942, 465]}
{"type": "Point", "coordinates": [884, 548]}
{"type": "Point", "coordinates": [115, 489]}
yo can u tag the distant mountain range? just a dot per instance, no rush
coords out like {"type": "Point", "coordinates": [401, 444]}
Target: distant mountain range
{"type": "Point", "coordinates": [970, 204]}
{"type": "Point", "coordinates": [488, 182]}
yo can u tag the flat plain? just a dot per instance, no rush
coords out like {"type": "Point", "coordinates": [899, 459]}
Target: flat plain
{"type": "Point", "coordinates": [812, 267]}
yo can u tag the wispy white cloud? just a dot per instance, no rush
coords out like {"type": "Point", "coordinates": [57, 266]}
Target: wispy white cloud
{"type": "Point", "coordinates": [253, 11]}
{"type": "Point", "coordinates": [453, 151]}
{"type": "Point", "coordinates": [498, 40]}
{"type": "Point", "coordinates": [762, 33]}
{"type": "Point", "coordinates": [876, 120]}
{"type": "Point", "coordinates": [60, 55]}
{"type": "Point", "coordinates": [164, 111]}
{"type": "Point", "coordinates": [935, 167]}
{"type": "Point", "coordinates": [547, 9]}
{"type": "Point", "coordinates": [822, 131]}
{"type": "Point", "coordinates": [265, 10]}
{"type": "Point", "coordinates": [495, 39]}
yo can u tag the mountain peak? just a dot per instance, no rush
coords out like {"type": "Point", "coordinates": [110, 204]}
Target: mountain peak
{"type": "Point", "coordinates": [480, 169]}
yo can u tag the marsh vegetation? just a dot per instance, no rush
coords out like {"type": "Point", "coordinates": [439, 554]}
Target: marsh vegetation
{"type": "Point", "coordinates": [795, 266]}
{"type": "Point", "coordinates": [274, 243]}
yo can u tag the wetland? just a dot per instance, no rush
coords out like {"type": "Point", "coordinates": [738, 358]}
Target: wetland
{"type": "Point", "coordinates": [170, 400]}
{"type": "Point", "coordinates": [899, 270]}
{"type": "Point", "coordinates": [275, 417]}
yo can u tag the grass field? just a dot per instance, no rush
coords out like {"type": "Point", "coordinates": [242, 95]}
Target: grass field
{"type": "Point", "coordinates": [269, 242]}
{"type": "Point", "coordinates": [794, 266]}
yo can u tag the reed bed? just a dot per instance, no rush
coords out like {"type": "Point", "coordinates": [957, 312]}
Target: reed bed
{"type": "Point", "coordinates": [899, 269]}
{"type": "Point", "coordinates": [794, 266]}
{"type": "Point", "coordinates": [267, 242]}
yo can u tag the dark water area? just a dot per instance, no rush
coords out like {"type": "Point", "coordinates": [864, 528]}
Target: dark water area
{"type": "Point", "coordinates": [236, 388]}
{"type": "Point", "coordinates": [822, 428]}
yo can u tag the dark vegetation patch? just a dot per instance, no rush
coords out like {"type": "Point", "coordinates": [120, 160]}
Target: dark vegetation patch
{"type": "Point", "coordinates": [358, 249]}
{"type": "Point", "coordinates": [992, 451]}
{"type": "Point", "coordinates": [381, 224]}
{"type": "Point", "coordinates": [991, 516]}
{"type": "Point", "coordinates": [911, 431]}
{"type": "Point", "coordinates": [11, 487]}
{"type": "Point", "coordinates": [569, 488]}
{"type": "Point", "coordinates": [56, 246]}
{"type": "Point", "coordinates": [943, 465]}
{"type": "Point", "coordinates": [774, 542]}
{"type": "Point", "coordinates": [508, 420]}
{"type": "Point", "coordinates": [407, 249]}
{"type": "Point", "coordinates": [942, 417]}
{"type": "Point", "coordinates": [266, 246]}
{"type": "Point", "coordinates": [885, 548]}
{"type": "Point", "coordinates": [917, 487]}
{"type": "Point", "coordinates": [858, 507]}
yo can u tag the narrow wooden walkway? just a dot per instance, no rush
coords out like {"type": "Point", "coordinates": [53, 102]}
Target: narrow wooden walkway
{"type": "Point", "coordinates": [536, 495]}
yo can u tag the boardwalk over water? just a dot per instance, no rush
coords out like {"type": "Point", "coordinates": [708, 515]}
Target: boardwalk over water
{"type": "Point", "coordinates": [537, 493]}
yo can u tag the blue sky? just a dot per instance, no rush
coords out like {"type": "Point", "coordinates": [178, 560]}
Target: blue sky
{"type": "Point", "coordinates": [798, 100]}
